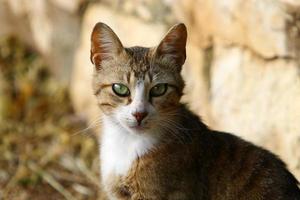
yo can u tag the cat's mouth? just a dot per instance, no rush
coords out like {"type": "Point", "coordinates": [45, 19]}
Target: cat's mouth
{"type": "Point", "coordinates": [135, 127]}
{"type": "Point", "coordinates": [138, 128]}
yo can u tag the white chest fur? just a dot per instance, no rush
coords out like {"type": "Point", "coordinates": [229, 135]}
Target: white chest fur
{"type": "Point", "coordinates": [119, 148]}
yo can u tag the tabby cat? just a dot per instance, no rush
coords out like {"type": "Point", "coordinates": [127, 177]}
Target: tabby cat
{"type": "Point", "coordinates": [153, 147]}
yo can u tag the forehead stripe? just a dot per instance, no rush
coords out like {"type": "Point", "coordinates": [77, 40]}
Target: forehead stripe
{"type": "Point", "coordinates": [101, 87]}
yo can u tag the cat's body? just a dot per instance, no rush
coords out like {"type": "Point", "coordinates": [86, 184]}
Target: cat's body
{"type": "Point", "coordinates": [201, 164]}
{"type": "Point", "coordinates": [153, 147]}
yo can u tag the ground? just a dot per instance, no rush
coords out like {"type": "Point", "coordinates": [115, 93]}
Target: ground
{"type": "Point", "coordinates": [46, 150]}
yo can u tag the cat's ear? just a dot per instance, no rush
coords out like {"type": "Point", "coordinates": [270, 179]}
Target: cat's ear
{"type": "Point", "coordinates": [173, 45]}
{"type": "Point", "coordinates": [105, 44]}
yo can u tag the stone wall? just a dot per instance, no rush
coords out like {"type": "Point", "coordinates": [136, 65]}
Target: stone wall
{"type": "Point", "coordinates": [51, 27]}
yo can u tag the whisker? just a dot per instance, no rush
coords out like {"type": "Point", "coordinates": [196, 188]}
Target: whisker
{"type": "Point", "coordinates": [175, 130]}
{"type": "Point", "coordinates": [170, 131]}
{"type": "Point", "coordinates": [176, 114]}
{"type": "Point", "coordinates": [96, 122]}
{"type": "Point", "coordinates": [171, 128]}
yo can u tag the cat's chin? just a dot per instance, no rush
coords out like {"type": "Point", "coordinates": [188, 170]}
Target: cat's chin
{"type": "Point", "coordinates": [138, 128]}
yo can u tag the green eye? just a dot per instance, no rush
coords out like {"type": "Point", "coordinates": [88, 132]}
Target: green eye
{"type": "Point", "coordinates": [159, 90]}
{"type": "Point", "coordinates": [120, 90]}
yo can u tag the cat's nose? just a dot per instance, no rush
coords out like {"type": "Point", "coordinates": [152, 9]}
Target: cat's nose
{"type": "Point", "coordinates": [139, 116]}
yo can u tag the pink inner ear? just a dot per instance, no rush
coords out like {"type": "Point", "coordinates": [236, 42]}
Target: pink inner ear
{"type": "Point", "coordinates": [102, 50]}
{"type": "Point", "coordinates": [96, 58]}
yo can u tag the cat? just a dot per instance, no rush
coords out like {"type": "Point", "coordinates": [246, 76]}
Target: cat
{"type": "Point", "coordinates": [153, 147]}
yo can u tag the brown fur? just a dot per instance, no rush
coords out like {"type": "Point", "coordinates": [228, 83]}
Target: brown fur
{"type": "Point", "coordinates": [192, 162]}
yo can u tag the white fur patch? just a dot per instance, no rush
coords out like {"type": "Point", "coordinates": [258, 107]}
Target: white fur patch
{"type": "Point", "coordinates": [119, 148]}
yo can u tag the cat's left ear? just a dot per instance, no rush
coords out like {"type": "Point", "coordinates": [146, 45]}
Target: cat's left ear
{"type": "Point", "coordinates": [172, 47]}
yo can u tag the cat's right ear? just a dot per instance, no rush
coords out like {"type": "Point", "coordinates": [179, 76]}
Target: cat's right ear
{"type": "Point", "coordinates": [172, 47]}
{"type": "Point", "coordinates": [105, 44]}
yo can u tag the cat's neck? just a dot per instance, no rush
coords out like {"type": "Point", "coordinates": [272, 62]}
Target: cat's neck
{"type": "Point", "coordinates": [119, 148]}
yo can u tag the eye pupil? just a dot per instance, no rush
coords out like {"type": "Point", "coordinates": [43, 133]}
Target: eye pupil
{"type": "Point", "coordinates": [120, 90]}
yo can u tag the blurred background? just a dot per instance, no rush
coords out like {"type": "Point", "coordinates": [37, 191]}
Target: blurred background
{"type": "Point", "coordinates": [242, 75]}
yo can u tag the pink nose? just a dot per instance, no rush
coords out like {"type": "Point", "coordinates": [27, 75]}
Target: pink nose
{"type": "Point", "coordinates": [139, 116]}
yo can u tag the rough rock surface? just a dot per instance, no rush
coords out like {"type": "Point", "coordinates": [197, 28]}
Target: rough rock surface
{"type": "Point", "coordinates": [51, 27]}
{"type": "Point", "coordinates": [260, 25]}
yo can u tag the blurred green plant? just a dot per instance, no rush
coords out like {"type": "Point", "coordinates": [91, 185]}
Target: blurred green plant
{"type": "Point", "coordinates": [41, 145]}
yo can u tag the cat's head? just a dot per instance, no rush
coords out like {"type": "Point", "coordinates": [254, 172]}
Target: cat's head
{"type": "Point", "coordinates": [138, 88]}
